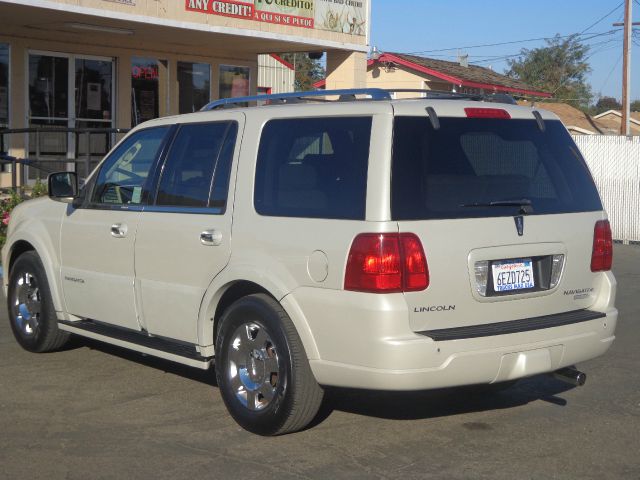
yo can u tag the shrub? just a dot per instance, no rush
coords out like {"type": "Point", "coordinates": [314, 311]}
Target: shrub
{"type": "Point", "coordinates": [11, 201]}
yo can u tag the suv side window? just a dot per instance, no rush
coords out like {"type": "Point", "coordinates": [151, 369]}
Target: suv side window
{"type": "Point", "coordinates": [122, 176]}
{"type": "Point", "coordinates": [199, 161]}
{"type": "Point", "coordinates": [314, 167]}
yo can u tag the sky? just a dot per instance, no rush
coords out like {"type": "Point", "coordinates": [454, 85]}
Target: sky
{"type": "Point", "coordinates": [410, 26]}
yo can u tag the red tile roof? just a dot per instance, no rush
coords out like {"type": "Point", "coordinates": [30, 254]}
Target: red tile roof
{"type": "Point", "coordinates": [471, 76]}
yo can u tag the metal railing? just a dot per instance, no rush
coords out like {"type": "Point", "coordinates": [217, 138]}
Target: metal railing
{"type": "Point", "coordinates": [45, 161]}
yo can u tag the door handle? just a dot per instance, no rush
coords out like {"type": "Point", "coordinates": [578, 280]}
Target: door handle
{"type": "Point", "coordinates": [118, 230]}
{"type": "Point", "coordinates": [211, 238]}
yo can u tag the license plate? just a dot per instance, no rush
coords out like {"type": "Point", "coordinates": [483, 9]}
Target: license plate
{"type": "Point", "coordinates": [510, 275]}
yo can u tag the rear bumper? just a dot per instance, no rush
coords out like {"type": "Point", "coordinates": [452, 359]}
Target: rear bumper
{"type": "Point", "coordinates": [467, 362]}
{"type": "Point", "coordinates": [371, 347]}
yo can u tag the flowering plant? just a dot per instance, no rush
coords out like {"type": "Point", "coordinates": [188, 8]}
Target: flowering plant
{"type": "Point", "coordinates": [11, 199]}
{"type": "Point", "coordinates": [6, 206]}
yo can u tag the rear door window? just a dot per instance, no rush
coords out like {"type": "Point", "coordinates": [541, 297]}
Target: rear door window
{"type": "Point", "coordinates": [197, 164]}
{"type": "Point", "coordinates": [487, 168]}
{"type": "Point", "coordinates": [313, 167]}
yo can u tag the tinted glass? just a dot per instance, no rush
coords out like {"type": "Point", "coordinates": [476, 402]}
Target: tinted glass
{"type": "Point", "coordinates": [194, 85]}
{"type": "Point", "coordinates": [314, 168]}
{"type": "Point", "coordinates": [122, 176]}
{"type": "Point", "coordinates": [48, 86]}
{"type": "Point", "coordinates": [148, 87]}
{"type": "Point", "coordinates": [93, 90]}
{"type": "Point", "coordinates": [454, 172]}
{"type": "Point", "coordinates": [188, 172]}
{"type": "Point", "coordinates": [234, 81]}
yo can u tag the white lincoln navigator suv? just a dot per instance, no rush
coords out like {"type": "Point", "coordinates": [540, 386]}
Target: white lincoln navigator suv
{"type": "Point", "coordinates": [295, 244]}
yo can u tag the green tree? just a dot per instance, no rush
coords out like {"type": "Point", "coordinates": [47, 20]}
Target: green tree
{"type": "Point", "coordinates": [605, 104]}
{"type": "Point", "coordinates": [560, 68]}
{"type": "Point", "coordinates": [308, 71]}
{"type": "Point", "coordinates": [635, 106]}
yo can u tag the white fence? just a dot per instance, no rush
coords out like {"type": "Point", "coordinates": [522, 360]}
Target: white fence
{"type": "Point", "coordinates": [615, 164]}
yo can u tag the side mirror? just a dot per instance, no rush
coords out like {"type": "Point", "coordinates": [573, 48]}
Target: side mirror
{"type": "Point", "coordinates": [63, 186]}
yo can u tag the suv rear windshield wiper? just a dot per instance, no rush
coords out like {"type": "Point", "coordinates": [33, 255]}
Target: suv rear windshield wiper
{"type": "Point", "coordinates": [523, 203]}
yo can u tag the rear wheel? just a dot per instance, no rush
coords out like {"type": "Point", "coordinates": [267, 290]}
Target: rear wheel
{"type": "Point", "coordinates": [262, 369]}
{"type": "Point", "coordinates": [31, 314]}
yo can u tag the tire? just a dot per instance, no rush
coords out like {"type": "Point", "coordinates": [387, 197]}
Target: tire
{"type": "Point", "coordinates": [262, 369]}
{"type": "Point", "coordinates": [31, 313]}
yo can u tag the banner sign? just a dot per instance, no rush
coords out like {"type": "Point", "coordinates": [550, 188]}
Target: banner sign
{"type": "Point", "coordinates": [224, 8]}
{"type": "Point", "coordinates": [343, 16]}
{"type": "Point", "coordinates": [296, 13]}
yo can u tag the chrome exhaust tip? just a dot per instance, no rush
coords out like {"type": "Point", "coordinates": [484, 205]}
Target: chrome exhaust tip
{"type": "Point", "coordinates": [571, 375]}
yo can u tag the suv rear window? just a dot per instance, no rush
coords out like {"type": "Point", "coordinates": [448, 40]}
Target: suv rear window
{"type": "Point", "coordinates": [460, 169]}
{"type": "Point", "coordinates": [313, 167]}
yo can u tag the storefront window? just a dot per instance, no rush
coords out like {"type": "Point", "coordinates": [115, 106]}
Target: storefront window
{"type": "Point", "coordinates": [194, 85]}
{"type": "Point", "coordinates": [93, 105]}
{"type": "Point", "coordinates": [4, 85]}
{"type": "Point", "coordinates": [48, 109]}
{"type": "Point", "coordinates": [48, 88]}
{"type": "Point", "coordinates": [148, 86]}
{"type": "Point", "coordinates": [234, 81]}
{"type": "Point", "coordinates": [93, 89]}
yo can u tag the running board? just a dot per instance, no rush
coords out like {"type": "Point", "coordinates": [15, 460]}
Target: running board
{"type": "Point", "coordinates": [179, 352]}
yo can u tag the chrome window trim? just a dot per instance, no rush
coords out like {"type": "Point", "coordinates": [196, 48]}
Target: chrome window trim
{"type": "Point", "coordinates": [186, 210]}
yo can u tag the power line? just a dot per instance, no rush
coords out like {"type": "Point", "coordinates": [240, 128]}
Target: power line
{"type": "Point", "coordinates": [498, 58]}
{"type": "Point", "coordinates": [609, 76]}
{"type": "Point", "coordinates": [602, 18]}
{"type": "Point", "coordinates": [468, 47]}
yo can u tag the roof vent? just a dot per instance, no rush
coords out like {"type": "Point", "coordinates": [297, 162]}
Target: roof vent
{"type": "Point", "coordinates": [464, 60]}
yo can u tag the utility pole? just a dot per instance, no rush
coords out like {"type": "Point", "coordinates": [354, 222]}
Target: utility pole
{"type": "Point", "coordinates": [625, 128]}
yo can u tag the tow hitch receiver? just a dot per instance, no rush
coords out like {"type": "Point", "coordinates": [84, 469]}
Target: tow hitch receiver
{"type": "Point", "coordinates": [571, 375]}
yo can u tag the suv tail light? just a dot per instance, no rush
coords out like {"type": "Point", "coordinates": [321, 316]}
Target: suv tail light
{"type": "Point", "coordinates": [602, 256]}
{"type": "Point", "coordinates": [386, 263]}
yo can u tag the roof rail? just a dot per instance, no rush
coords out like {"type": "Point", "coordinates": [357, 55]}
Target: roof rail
{"type": "Point", "coordinates": [295, 97]}
{"type": "Point", "coordinates": [438, 94]}
{"type": "Point", "coordinates": [348, 95]}
{"type": "Point", "coordinates": [444, 95]}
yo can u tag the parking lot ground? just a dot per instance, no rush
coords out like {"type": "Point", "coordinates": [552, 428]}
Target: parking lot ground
{"type": "Point", "coordinates": [93, 411]}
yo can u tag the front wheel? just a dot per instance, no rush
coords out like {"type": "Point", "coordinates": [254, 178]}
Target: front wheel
{"type": "Point", "coordinates": [262, 369]}
{"type": "Point", "coordinates": [31, 312]}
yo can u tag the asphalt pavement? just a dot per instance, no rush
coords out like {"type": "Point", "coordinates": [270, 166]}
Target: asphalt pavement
{"type": "Point", "coordinates": [94, 411]}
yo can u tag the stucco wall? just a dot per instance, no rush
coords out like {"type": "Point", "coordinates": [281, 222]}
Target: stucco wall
{"type": "Point", "coordinates": [399, 78]}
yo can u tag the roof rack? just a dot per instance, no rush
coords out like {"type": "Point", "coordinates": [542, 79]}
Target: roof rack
{"type": "Point", "coordinates": [443, 95]}
{"type": "Point", "coordinates": [345, 95]}
{"type": "Point", "coordinates": [350, 95]}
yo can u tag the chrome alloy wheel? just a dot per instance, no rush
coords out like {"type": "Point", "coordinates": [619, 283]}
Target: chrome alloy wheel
{"type": "Point", "coordinates": [254, 368]}
{"type": "Point", "coordinates": [27, 304]}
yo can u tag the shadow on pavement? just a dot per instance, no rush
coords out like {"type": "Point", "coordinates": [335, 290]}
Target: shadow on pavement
{"type": "Point", "coordinates": [386, 405]}
{"type": "Point", "coordinates": [445, 402]}
{"type": "Point", "coordinates": [207, 377]}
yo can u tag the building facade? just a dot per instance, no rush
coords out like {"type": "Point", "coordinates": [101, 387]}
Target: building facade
{"type": "Point", "coordinates": [275, 75]}
{"type": "Point", "coordinates": [115, 63]}
{"type": "Point", "coordinates": [612, 122]}
{"type": "Point", "coordinates": [399, 71]}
